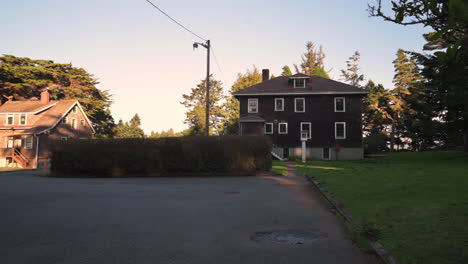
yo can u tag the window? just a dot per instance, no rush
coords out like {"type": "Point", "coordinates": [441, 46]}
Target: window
{"type": "Point", "coordinates": [283, 128]}
{"type": "Point", "coordinates": [326, 153]}
{"type": "Point", "coordinates": [299, 83]}
{"type": "Point", "coordinates": [64, 138]}
{"type": "Point", "coordinates": [252, 105]}
{"type": "Point", "coordinates": [268, 128]}
{"type": "Point", "coordinates": [65, 120]}
{"type": "Point", "coordinates": [75, 109]}
{"type": "Point", "coordinates": [28, 142]}
{"type": "Point", "coordinates": [22, 120]}
{"type": "Point", "coordinates": [306, 126]}
{"type": "Point", "coordinates": [10, 119]}
{"type": "Point", "coordinates": [73, 123]}
{"type": "Point", "coordinates": [339, 104]}
{"type": "Point", "coordinates": [279, 104]}
{"type": "Point", "coordinates": [340, 130]}
{"type": "Point", "coordinates": [299, 105]}
{"type": "Point", "coordinates": [82, 122]}
{"type": "Point", "coordinates": [10, 142]}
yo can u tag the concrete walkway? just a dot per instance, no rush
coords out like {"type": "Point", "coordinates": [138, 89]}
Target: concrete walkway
{"type": "Point", "coordinates": [164, 220]}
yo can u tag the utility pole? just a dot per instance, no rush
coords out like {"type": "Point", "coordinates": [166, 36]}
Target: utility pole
{"type": "Point", "coordinates": [207, 45]}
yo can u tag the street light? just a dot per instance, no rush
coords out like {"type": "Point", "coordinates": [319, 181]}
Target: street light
{"type": "Point", "coordinates": [207, 118]}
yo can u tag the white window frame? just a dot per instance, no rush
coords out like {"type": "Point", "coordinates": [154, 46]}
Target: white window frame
{"type": "Point", "coordinates": [12, 119]}
{"type": "Point", "coordinates": [248, 105]}
{"type": "Point", "coordinates": [74, 123]}
{"type": "Point", "coordinates": [296, 86]}
{"type": "Point", "coordinates": [75, 109]}
{"type": "Point", "coordinates": [272, 128]}
{"type": "Point", "coordinates": [64, 138]}
{"type": "Point", "coordinates": [295, 105]}
{"type": "Point", "coordinates": [344, 130]}
{"type": "Point", "coordinates": [282, 104]}
{"type": "Point", "coordinates": [279, 128]}
{"type": "Point", "coordinates": [28, 145]}
{"type": "Point", "coordinates": [25, 119]}
{"type": "Point", "coordinates": [310, 128]}
{"type": "Point", "coordinates": [344, 104]}
{"type": "Point", "coordinates": [10, 142]}
{"type": "Point", "coordinates": [323, 153]}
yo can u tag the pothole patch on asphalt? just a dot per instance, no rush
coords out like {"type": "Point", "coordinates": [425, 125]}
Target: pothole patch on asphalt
{"type": "Point", "coordinates": [289, 237]}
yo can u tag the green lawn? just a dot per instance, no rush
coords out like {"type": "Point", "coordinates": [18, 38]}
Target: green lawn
{"type": "Point", "coordinates": [279, 167]}
{"type": "Point", "coordinates": [416, 202]}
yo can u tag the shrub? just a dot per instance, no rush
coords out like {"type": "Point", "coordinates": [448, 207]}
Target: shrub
{"type": "Point", "coordinates": [165, 156]}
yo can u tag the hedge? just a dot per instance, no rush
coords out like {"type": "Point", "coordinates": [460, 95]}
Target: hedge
{"type": "Point", "coordinates": [236, 155]}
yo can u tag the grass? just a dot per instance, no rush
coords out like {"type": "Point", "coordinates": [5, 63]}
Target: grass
{"type": "Point", "coordinates": [416, 203]}
{"type": "Point", "coordinates": [279, 168]}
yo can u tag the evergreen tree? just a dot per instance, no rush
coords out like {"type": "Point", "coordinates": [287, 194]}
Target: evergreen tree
{"type": "Point", "coordinates": [25, 78]}
{"type": "Point", "coordinates": [311, 59]}
{"type": "Point", "coordinates": [195, 102]}
{"type": "Point", "coordinates": [286, 71]}
{"type": "Point", "coordinates": [249, 78]}
{"type": "Point", "coordinates": [319, 71]}
{"type": "Point", "coordinates": [129, 129]}
{"type": "Point", "coordinates": [351, 74]}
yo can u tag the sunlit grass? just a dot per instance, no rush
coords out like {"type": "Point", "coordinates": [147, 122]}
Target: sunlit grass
{"type": "Point", "coordinates": [279, 168]}
{"type": "Point", "coordinates": [418, 202]}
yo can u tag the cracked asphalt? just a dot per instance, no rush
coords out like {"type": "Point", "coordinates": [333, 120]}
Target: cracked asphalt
{"type": "Point", "coordinates": [164, 220]}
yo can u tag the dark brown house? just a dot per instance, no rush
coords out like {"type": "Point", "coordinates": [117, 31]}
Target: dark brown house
{"type": "Point", "coordinates": [329, 111]}
{"type": "Point", "coordinates": [27, 127]}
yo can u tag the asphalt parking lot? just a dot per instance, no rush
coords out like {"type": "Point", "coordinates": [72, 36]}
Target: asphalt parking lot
{"type": "Point", "coordinates": [165, 220]}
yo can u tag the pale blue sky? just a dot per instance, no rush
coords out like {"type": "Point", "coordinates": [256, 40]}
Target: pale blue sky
{"type": "Point", "coordinates": [147, 62]}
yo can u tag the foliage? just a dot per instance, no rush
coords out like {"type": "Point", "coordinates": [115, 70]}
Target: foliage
{"type": "Point", "coordinates": [139, 157]}
{"type": "Point", "coordinates": [169, 133]}
{"type": "Point", "coordinates": [286, 71]}
{"type": "Point", "coordinates": [319, 71]}
{"type": "Point", "coordinates": [25, 78]}
{"type": "Point", "coordinates": [445, 71]}
{"type": "Point", "coordinates": [351, 74]}
{"type": "Point", "coordinates": [250, 77]}
{"type": "Point", "coordinates": [195, 102]}
{"type": "Point", "coordinates": [129, 129]}
{"type": "Point", "coordinates": [417, 200]}
{"type": "Point", "coordinates": [312, 58]}
{"type": "Point", "coordinates": [375, 142]}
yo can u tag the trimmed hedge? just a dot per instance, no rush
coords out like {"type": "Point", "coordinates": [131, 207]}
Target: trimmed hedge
{"type": "Point", "coordinates": [242, 155]}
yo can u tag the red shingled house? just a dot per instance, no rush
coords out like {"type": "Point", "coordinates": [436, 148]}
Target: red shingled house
{"type": "Point", "coordinates": [27, 127]}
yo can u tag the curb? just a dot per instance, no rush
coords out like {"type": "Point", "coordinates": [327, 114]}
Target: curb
{"type": "Point", "coordinates": [379, 249]}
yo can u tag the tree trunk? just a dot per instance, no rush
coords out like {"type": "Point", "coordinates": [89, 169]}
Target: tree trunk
{"type": "Point", "coordinates": [392, 136]}
{"type": "Point", "coordinates": [465, 140]}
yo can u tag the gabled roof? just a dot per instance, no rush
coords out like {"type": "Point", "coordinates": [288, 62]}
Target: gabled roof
{"type": "Point", "coordinates": [25, 106]}
{"type": "Point", "coordinates": [251, 118]}
{"type": "Point", "coordinates": [315, 85]}
{"type": "Point", "coordinates": [49, 114]}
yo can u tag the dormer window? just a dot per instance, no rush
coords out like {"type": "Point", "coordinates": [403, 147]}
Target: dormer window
{"type": "Point", "coordinates": [299, 83]}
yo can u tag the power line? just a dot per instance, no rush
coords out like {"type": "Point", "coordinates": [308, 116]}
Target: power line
{"type": "Point", "coordinates": [175, 21]}
{"type": "Point", "coordinates": [217, 64]}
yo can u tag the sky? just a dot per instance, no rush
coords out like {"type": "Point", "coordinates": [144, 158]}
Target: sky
{"type": "Point", "coordinates": [147, 62]}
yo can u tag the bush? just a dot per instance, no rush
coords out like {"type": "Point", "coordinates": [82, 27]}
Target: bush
{"type": "Point", "coordinates": [163, 156]}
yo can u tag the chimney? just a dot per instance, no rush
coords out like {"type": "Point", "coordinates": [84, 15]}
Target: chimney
{"type": "Point", "coordinates": [45, 96]}
{"type": "Point", "coordinates": [265, 75]}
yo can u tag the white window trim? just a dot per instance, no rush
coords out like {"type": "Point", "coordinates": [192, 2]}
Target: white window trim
{"type": "Point", "coordinates": [295, 86]}
{"type": "Point", "coordinates": [282, 104]}
{"type": "Point", "coordinates": [272, 128]}
{"type": "Point", "coordinates": [75, 109]}
{"type": "Point", "coordinates": [76, 123]}
{"type": "Point", "coordinates": [344, 104]}
{"type": "Point", "coordinates": [329, 154]}
{"type": "Point", "coordinates": [25, 119]}
{"type": "Point", "coordinates": [344, 130]}
{"type": "Point", "coordinates": [13, 120]}
{"type": "Point", "coordinates": [64, 138]}
{"type": "Point", "coordinates": [295, 105]}
{"type": "Point", "coordinates": [26, 142]}
{"type": "Point", "coordinates": [248, 105]}
{"type": "Point", "coordinates": [279, 130]}
{"type": "Point", "coordinates": [310, 128]}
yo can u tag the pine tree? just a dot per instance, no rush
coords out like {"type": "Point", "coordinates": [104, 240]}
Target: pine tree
{"type": "Point", "coordinates": [311, 59]}
{"type": "Point", "coordinates": [286, 71]}
{"type": "Point", "coordinates": [231, 123]}
{"type": "Point", "coordinates": [351, 74]}
{"type": "Point", "coordinates": [129, 129]}
{"type": "Point", "coordinates": [195, 102]}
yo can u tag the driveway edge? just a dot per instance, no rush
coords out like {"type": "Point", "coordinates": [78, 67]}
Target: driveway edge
{"type": "Point", "coordinates": [379, 249]}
